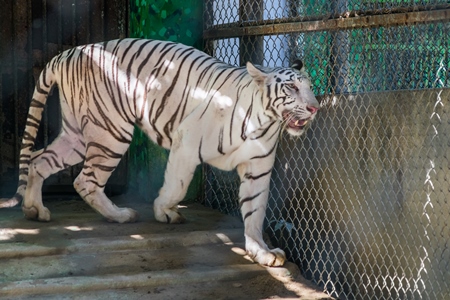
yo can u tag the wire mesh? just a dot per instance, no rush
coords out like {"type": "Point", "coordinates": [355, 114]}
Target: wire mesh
{"type": "Point", "coordinates": [361, 201]}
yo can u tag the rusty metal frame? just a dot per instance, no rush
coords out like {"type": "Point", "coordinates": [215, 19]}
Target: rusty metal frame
{"type": "Point", "coordinates": [341, 22]}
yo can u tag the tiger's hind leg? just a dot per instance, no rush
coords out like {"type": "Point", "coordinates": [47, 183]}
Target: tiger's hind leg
{"type": "Point", "coordinates": [100, 162]}
{"type": "Point", "coordinates": [23, 180]}
{"type": "Point", "coordinates": [66, 150]}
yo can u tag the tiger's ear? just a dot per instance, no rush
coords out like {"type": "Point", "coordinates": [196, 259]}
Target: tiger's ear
{"type": "Point", "coordinates": [258, 76]}
{"type": "Point", "coordinates": [298, 64]}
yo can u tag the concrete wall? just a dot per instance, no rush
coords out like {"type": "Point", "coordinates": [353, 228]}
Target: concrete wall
{"type": "Point", "coordinates": [363, 200]}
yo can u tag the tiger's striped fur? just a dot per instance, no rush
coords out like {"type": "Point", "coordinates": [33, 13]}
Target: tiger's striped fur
{"type": "Point", "coordinates": [201, 109]}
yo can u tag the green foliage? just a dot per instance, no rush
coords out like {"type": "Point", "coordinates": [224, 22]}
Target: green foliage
{"type": "Point", "coordinates": [172, 20]}
{"type": "Point", "coordinates": [378, 59]}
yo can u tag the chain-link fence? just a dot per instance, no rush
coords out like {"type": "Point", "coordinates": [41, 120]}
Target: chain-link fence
{"type": "Point", "coordinates": [361, 202]}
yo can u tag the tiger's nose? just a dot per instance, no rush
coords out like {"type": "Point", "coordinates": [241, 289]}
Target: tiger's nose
{"type": "Point", "coordinates": [312, 109]}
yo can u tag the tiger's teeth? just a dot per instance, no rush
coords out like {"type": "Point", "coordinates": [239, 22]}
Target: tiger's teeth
{"type": "Point", "coordinates": [296, 123]}
{"type": "Point", "coordinates": [306, 121]}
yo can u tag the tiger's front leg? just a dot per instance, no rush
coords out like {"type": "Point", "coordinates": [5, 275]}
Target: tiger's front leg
{"type": "Point", "coordinates": [253, 196]}
{"type": "Point", "coordinates": [177, 177]}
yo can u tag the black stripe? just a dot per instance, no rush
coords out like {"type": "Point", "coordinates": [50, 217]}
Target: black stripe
{"type": "Point", "coordinates": [220, 146]}
{"type": "Point", "coordinates": [28, 123]}
{"type": "Point", "coordinates": [44, 77]}
{"type": "Point", "coordinates": [239, 91]}
{"type": "Point", "coordinates": [246, 121]}
{"type": "Point", "coordinates": [37, 172]}
{"type": "Point", "coordinates": [277, 99]}
{"type": "Point", "coordinates": [69, 126]}
{"type": "Point", "coordinates": [28, 137]}
{"type": "Point", "coordinates": [274, 133]}
{"type": "Point", "coordinates": [186, 98]}
{"type": "Point", "coordinates": [169, 91]}
{"type": "Point", "coordinates": [103, 167]}
{"type": "Point", "coordinates": [26, 145]}
{"type": "Point", "coordinates": [246, 199]}
{"type": "Point", "coordinates": [56, 162]}
{"type": "Point", "coordinates": [200, 150]}
{"type": "Point", "coordinates": [217, 89]}
{"type": "Point", "coordinates": [147, 58]}
{"type": "Point", "coordinates": [182, 105]}
{"type": "Point", "coordinates": [267, 154]}
{"type": "Point", "coordinates": [90, 174]}
{"type": "Point", "coordinates": [39, 89]}
{"type": "Point", "coordinates": [174, 81]}
{"type": "Point", "coordinates": [104, 149]}
{"type": "Point", "coordinates": [129, 47]}
{"type": "Point", "coordinates": [256, 177]}
{"type": "Point", "coordinates": [22, 182]}
{"type": "Point", "coordinates": [109, 125]}
{"type": "Point", "coordinates": [48, 161]}
{"type": "Point", "coordinates": [232, 120]}
{"type": "Point", "coordinates": [96, 183]}
{"type": "Point", "coordinates": [207, 68]}
{"type": "Point", "coordinates": [268, 96]}
{"type": "Point", "coordinates": [18, 196]}
{"type": "Point", "coordinates": [79, 153]}
{"type": "Point", "coordinates": [249, 213]}
{"type": "Point", "coordinates": [35, 103]}
{"type": "Point", "coordinates": [264, 131]}
{"type": "Point", "coordinates": [119, 88]}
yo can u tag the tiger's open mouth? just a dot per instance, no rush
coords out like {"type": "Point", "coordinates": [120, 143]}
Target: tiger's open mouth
{"type": "Point", "coordinates": [294, 122]}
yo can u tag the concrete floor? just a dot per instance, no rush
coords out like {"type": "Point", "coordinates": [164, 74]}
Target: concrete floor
{"type": "Point", "coordinates": [78, 255]}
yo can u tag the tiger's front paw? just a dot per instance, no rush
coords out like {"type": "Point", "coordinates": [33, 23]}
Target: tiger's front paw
{"type": "Point", "coordinates": [124, 215]}
{"type": "Point", "coordinates": [168, 215]}
{"type": "Point", "coordinates": [33, 213]}
{"type": "Point", "coordinates": [271, 258]}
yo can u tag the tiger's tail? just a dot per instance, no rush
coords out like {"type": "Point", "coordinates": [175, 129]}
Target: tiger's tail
{"type": "Point", "coordinates": [43, 87]}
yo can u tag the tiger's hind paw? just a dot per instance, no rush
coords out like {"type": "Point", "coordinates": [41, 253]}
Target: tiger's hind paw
{"type": "Point", "coordinates": [33, 213]}
{"type": "Point", "coordinates": [271, 258]}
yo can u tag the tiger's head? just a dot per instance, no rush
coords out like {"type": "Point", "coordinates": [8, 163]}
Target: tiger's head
{"type": "Point", "coordinates": [287, 95]}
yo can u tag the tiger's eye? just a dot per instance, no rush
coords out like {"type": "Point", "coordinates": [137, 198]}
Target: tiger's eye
{"type": "Point", "coordinates": [292, 86]}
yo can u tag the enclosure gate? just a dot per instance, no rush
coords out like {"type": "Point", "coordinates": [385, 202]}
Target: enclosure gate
{"type": "Point", "coordinates": [361, 202]}
{"type": "Point", "coordinates": [32, 32]}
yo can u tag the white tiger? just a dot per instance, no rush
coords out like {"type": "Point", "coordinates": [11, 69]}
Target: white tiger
{"type": "Point", "coordinates": [203, 110]}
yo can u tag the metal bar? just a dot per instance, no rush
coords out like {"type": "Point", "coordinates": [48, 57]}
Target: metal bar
{"type": "Point", "coordinates": [15, 87]}
{"type": "Point", "coordinates": [398, 19]}
{"type": "Point", "coordinates": [3, 50]}
{"type": "Point", "coordinates": [1, 118]}
{"type": "Point", "coordinates": [208, 21]}
{"type": "Point", "coordinates": [251, 47]}
{"type": "Point", "coordinates": [74, 24]}
{"type": "Point", "coordinates": [40, 64]}
{"type": "Point", "coordinates": [60, 25]}
{"type": "Point", "coordinates": [339, 52]}
{"type": "Point", "coordinates": [122, 12]}
{"type": "Point", "coordinates": [44, 31]}
{"type": "Point", "coordinates": [103, 18]}
{"type": "Point", "coordinates": [88, 21]}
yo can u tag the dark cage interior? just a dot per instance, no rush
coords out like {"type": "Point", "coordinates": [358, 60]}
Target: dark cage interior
{"type": "Point", "coordinates": [32, 32]}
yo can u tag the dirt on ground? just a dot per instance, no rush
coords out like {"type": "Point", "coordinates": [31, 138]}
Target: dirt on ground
{"type": "Point", "coordinates": [79, 255]}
